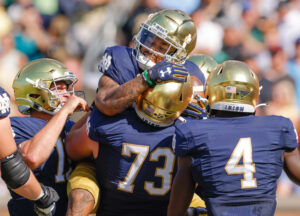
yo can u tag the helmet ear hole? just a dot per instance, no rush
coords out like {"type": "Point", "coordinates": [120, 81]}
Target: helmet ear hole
{"type": "Point", "coordinates": [34, 96]}
{"type": "Point", "coordinates": [180, 98]}
{"type": "Point", "coordinates": [220, 71]}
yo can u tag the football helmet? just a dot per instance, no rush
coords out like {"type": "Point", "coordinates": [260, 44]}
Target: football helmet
{"type": "Point", "coordinates": [205, 63]}
{"type": "Point", "coordinates": [162, 105]}
{"type": "Point", "coordinates": [32, 85]}
{"type": "Point", "coordinates": [167, 34]}
{"type": "Point", "coordinates": [232, 86]}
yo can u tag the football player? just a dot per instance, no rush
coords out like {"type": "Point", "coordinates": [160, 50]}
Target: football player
{"type": "Point", "coordinates": [234, 156]}
{"type": "Point", "coordinates": [44, 90]}
{"type": "Point", "coordinates": [135, 164]}
{"type": "Point", "coordinates": [15, 172]}
{"type": "Point", "coordinates": [121, 83]}
{"type": "Point", "coordinates": [168, 35]}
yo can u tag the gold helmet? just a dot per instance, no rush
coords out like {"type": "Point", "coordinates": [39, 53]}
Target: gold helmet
{"type": "Point", "coordinates": [205, 63]}
{"type": "Point", "coordinates": [32, 85]}
{"type": "Point", "coordinates": [174, 28]}
{"type": "Point", "coordinates": [162, 105]}
{"type": "Point", "coordinates": [232, 86]}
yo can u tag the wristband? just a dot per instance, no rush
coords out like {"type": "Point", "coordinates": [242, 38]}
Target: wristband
{"type": "Point", "coordinates": [40, 196]}
{"type": "Point", "coordinates": [146, 79]}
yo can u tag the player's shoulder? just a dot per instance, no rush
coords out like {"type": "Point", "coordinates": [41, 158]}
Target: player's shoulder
{"type": "Point", "coordinates": [189, 124]}
{"type": "Point", "coordinates": [106, 124]}
{"type": "Point", "coordinates": [118, 51]}
{"type": "Point", "coordinates": [275, 121]}
{"type": "Point", "coordinates": [27, 123]}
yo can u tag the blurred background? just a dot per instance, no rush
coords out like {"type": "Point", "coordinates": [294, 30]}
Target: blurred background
{"type": "Point", "coordinates": [265, 34]}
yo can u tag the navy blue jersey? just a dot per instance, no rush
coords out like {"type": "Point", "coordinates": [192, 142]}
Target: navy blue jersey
{"type": "Point", "coordinates": [4, 103]}
{"type": "Point", "coordinates": [237, 161]}
{"type": "Point", "coordinates": [119, 63]}
{"type": "Point", "coordinates": [135, 164]}
{"type": "Point", "coordinates": [53, 172]}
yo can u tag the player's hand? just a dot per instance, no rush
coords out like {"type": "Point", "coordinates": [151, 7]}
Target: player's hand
{"type": "Point", "coordinates": [45, 206]}
{"type": "Point", "coordinates": [199, 211]}
{"type": "Point", "coordinates": [75, 103]}
{"type": "Point", "coordinates": [165, 71]}
{"type": "Point", "coordinates": [198, 111]}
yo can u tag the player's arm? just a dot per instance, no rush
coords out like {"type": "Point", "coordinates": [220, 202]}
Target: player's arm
{"type": "Point", "coordinates": [292, 165]}
{"type": "Point", "coordinates": [83, 190]}
{"type": "Point", "coordinates": [18, 176]}
{"type": "Point", "coordinates": [113, 98]}
{"type": "Point", "coordinates": [78, 143]}
{"type": "Point", "coordinates": [182, 189]}
{"type": "Point", "coordinates": [26, 184]}
{"type": "Point", "coordinates": [36, 150]}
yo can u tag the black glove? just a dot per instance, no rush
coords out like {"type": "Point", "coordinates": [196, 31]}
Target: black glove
{"type": "Point", "coordinates": [45, 206]}
{"type": "Point", "coordinates": [165, 71]}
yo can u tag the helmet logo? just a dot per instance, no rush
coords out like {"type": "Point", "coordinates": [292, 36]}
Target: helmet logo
{"type": "Point", "coordinates": [244, 93]}
{"type": "Point", "coordinates": [168, 70]}
{"type": "Point", "coordinates": [187, 40]}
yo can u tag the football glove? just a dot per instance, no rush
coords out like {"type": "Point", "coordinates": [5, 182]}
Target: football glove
{"type": "Point", "coordinates": [199, 211]}
{"type": "Point", "coordinates": [45, 206]}
{"type": "Point", "coordinates": [197, 111]}
{"type": "Point", "coordinates": [165, 71]}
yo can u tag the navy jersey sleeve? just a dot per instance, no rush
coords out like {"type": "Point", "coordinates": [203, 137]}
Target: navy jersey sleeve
{"type": "Point", "coordinates": [107, 65]}
{"type": "Point", "coordinates": [119, 64]}
{"type": "Point", "coordinates": [4, 103]}
{"type": "Point", "coordinates": [290, 137]}
{"type": "Point", "coordinates": [182, 141]}
{"type": "Point", "coordinates": [91, 125]}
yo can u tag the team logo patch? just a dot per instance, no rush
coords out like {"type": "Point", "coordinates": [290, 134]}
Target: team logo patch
{"type": "Point", "coordinates": [244, 93]}
{"type": "Point", "coordinates": [104, 63]}
{"type": "Point", "coordinates": [4, 104]}
{"type": "Point", "coordinates": [168, 71]}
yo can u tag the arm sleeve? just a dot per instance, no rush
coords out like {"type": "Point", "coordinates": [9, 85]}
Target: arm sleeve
{"type": "Point", "coordinates": [107, 65]}
{"type": "Point", "coordinates": [181, 146]}
{"type": "Point", "coordinates": [84, 177]}
{"type": "Point", "coordinates": [290, 136]}
{"type": "Point", "coordinates": [91, 125]}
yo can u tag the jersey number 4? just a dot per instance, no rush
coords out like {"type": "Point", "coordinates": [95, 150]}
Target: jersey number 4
{"type": "Point", "coordinates": [141, 154]}
{"type": "Point", "coordinates": [247, 168]}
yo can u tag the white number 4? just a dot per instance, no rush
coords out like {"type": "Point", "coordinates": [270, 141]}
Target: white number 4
{"type": "Point", "coordinates": [247, 168]}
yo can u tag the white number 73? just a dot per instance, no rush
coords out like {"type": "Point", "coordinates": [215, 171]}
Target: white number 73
{"type": "Point", "coordinates": [165, 172]}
